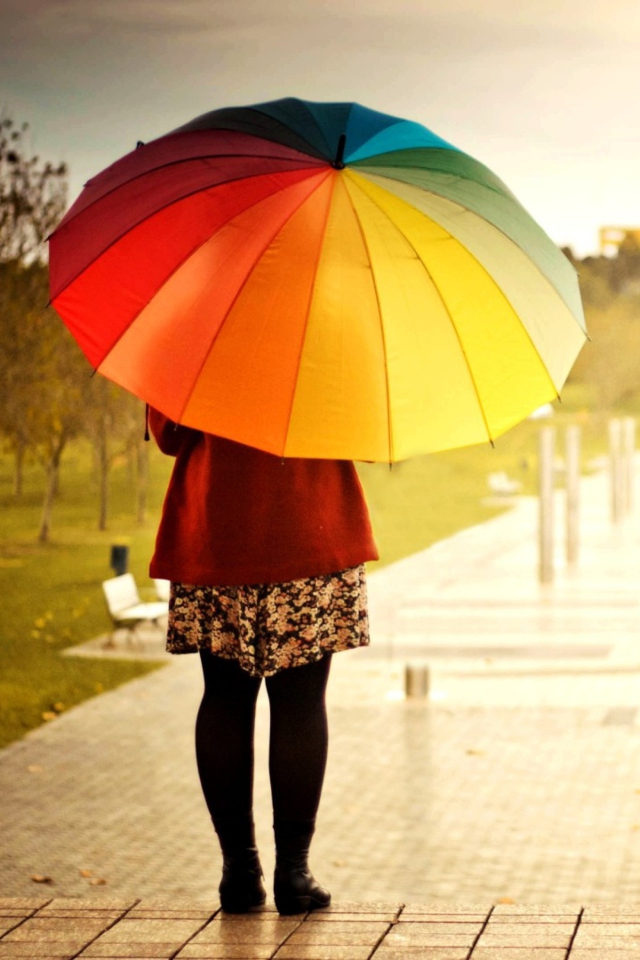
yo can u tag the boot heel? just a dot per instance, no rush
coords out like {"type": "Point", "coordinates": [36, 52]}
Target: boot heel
{"type": "Point", "coordinates": [287, 905]}
{"type": "Point", "coordinates": [241, 901]}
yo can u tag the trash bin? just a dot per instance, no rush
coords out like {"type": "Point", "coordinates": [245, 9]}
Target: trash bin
{"type": "Point", "coordinates": [119, 562]}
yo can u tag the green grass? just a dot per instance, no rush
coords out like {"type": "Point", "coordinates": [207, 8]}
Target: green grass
{"type": "Point", "coordinates": [51, 593]}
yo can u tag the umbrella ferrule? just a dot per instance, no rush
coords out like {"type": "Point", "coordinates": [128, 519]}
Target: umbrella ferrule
{"type": "Point", "coordinates": [338, 163]}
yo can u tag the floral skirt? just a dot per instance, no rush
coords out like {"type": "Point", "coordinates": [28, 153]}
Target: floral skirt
{"type": "Point", "coordinates": [273, 626]}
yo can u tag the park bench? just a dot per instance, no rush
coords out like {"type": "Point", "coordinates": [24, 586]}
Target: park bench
{"type": "Point", "coordinates": [125, 607]}
{"type": "Point", "coordinates": [163, 589]}
{"type": "Point", "coordinates": [502, 485]}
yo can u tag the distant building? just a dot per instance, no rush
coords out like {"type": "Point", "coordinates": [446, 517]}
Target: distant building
{"type": "Point", "coordinates": [611, 238]}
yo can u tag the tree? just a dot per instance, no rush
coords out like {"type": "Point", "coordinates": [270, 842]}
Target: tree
{"type": "Point", "coordinates": [33, 196]}
{"type": "Point", "coordinates": [42, 374]}
{"type": "Point", "coordinates": [113, 420]}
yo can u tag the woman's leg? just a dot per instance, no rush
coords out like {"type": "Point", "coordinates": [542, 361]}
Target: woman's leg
{"type": "Point", "coordinates": [297, 760]}
{"type": "Point", "coordinates": [224, 753]}
{"type": "Point", "coordinates": [298, 739]}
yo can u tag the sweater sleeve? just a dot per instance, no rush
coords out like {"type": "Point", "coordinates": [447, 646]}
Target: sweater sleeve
{"type": "Point", "coordinates": [169, 436]}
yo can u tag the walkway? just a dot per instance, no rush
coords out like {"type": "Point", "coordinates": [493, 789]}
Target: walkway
{"type": "Point", "coordinates": [517, 780]}
{"type": "Point", "coordinates": [62, 930]}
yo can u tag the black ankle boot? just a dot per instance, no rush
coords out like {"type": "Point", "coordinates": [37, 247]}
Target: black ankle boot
{"type": "Point", "coordinates": [241, 886]}
{"type": "Point", "coordinates": [294, 887]}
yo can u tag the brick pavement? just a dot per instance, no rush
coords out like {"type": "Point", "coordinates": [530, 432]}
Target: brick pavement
{"type": "Point", "coordinates": [518, 779]}
{"type": "Point", "coordinates": [58, 929]}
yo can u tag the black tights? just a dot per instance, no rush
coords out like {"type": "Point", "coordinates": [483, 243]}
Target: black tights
{"type": "Point", "coordinates": [298, 738]}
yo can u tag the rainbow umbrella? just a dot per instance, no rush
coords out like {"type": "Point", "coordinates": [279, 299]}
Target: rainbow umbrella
{"type": "Point", "coordinates": [317, 280]}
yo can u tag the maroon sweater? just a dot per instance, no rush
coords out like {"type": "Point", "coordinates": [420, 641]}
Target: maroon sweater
{"type": "Point", "coordinates": [235, 515]}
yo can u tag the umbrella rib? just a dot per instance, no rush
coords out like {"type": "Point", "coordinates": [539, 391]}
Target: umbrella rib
{"type": "Point", "coordinates": [241, 288]}
{"type": "Point", "coordinates": [303, 162]}
{"type": "Point", "coordinates": [507, 195]}
{"type": "Point", "coordinates": [314, 169]}
{"type": "Point", "coordinates": [382, 333]}
{"type": "Point", "coordinates": [438, 291]}
{"type": "Point", "coordinates": [171, 273]}
{"type": "Point", "coordinates": [541, 274]}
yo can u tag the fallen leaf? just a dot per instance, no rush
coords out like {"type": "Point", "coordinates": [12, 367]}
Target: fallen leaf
{"type": "Point", "coordinates": [505, 900]}
{"type": "Point", "coordinates": [49, 715]}
{"type": "Point", "coordinates": [40, 623]}
{"type": "Point", "coordinates": [59, 707]}
{"type": "Point", "coordinates": [97, 881]}
{"type": "Point", "coordinates": [86, 873]}
{"type": "Point", "coordinates": [39, 878]}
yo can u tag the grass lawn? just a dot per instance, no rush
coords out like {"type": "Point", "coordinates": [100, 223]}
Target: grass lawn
{"type": "Point", "coordinates": [51, 593]}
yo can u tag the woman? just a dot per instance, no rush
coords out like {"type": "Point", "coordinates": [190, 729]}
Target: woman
{"type": "Point", "coordinates": [266, 562]}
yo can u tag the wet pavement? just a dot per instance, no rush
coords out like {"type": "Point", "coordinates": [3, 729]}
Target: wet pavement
{"type": "Point", "coordinates": [517, 779]}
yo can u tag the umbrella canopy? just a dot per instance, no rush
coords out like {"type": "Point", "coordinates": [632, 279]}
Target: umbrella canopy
{"type": "Point", "coordinates": [317, 280]}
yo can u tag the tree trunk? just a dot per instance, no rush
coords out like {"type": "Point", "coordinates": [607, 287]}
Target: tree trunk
{"type": "Point", "coordinates": [142, 460]}
{"type": "Point", "coordinates": [103, 463]}
{"type": "Point", "coordinates": [53, 469]}
{"type": "Point", "coordinates": [18, 476]}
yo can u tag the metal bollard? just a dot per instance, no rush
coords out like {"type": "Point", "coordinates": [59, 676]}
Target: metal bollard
{"type": "Point", "coordinates": [616, 470]}
{"type": "Point", "coordinates": [416, 681]}
{"type": "Point", "coordinates": [572, 486]}
{"type": "Point", "coordinates": [545, 513]}
{"type": "Point", "coordinates": [629, 446]}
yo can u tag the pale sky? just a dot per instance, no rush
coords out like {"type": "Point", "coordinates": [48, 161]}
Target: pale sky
{"type": "Point", "coordinates": [545, 92]}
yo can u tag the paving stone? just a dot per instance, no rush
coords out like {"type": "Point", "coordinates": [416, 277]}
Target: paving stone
{"type": "Point", "coordinates": [535, 936]}
{"type": "Point", "coordinates": [365, 906]}
{"type": "Point", "coordinates": [612, 939]}
{"type": "Point", "coordinates": [535, 910]}
{"type": "Point", "coordinates": [448, 908]}
{"type": "Point", "coordinates": [174, 906]}
{"type": "Point", "coordinates": [618, 909]}
{"type": "Point", "coordinates": [22, 903]}
{"type": "Point", "coordinates": [83, 904]}
{"type": "Point", "coordinates": [477, 918]}
{"type": "Point", "coordinates": [397, 939]}
{"type": "Point", "coordinates": [52, 929]}
{"type": "Point", "coordinates": [338, 934]}
{"type": "Point", "coordinates": [322, 916]}
{"type": "Point", "coordinates": [270, 930]}
{"type": "Point", "coordinates": [154, 951]}
{"type": "Point", "coordinates": [151, 931]}
{"type": "Point", "coordinates": [229, 951]}
{"type": "Point", "coordinates": [109, 916]}
{"type": "Point", "coordinates": [419, 928]}
{"type": "Point", "coordinates": [518, 953]}
{"type": "Point", "coordinates": [322, 952]}
{"type": "Point", "coordinates": [421, 953]}
{"type": "Point", "coordinates": [49, 951]}
{"type": "Point", "coordinates": [503, 920]}
{"type": "Point", "coordinates": [9, 923]}
{"type": "Point", "coordinates": [589, 920]}
{"type": "Point", "coordinates": [606, 953]}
